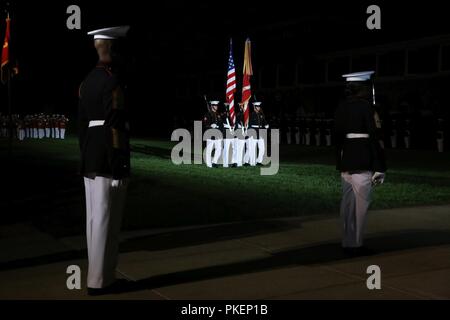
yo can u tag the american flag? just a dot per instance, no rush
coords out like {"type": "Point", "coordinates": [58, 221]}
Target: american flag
{"type": "Point", "coordinates": [231, 85]}
{"type": "Point", "coordinates": [246, 88]}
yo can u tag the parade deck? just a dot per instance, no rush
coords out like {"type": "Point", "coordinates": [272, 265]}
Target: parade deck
{"type": "Point", "coordinates": [196, 233]}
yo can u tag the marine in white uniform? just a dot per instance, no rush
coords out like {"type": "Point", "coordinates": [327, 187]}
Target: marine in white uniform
{"type": "Point", "coordinates": [105, 160]}
{"type": "Point", "coordinates": [229, 141]}
{"type": "Point", "coordinates": [240, 141]}
{"type": "Point", "coordinates": [212, 120]}
{"type": "Point", "coordinates": [360, 158]}
{"type": "Point", "coordinates": [258, 122]}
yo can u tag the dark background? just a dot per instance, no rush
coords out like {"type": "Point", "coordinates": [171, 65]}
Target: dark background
{"type": "Point", "coordinates": [175, 44]}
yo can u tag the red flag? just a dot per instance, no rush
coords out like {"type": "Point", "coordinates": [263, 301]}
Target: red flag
{"type": "Point", "coordinates": [7, 65]}
{"type": "Point", "coordinates": [5, 52]}
{"type": "Point", "coordinates": [246, 87]}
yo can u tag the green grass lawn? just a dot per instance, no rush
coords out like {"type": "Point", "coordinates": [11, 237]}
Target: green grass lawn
{"type": "Point", "coordinates": [47, 190]}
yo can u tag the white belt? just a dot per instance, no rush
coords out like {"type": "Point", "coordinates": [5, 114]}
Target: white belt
{"type": "Point", "coordinates": [357, 135]}
{"type": "Point", "coordinates": [96, 123]}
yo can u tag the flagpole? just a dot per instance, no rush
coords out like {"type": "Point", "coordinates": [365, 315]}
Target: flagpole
{"type": "Point", "coordinates": [10, 133]}
{"type": "Point", "coordinates": [10, 129]}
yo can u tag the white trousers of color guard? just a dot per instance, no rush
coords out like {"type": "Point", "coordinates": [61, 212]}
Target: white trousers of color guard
{"type": "Point", "coordinates": [356, 193]}
{"type": "Point", "coordinates": [261, 150]}
{"type": "Point", "coordinates": [250, 151]}
{"type": "Point", "coordinates": [240, 146]}
{"type": "Point", "coordinates": [227, 144]}
{"type": "Point", "coordinates": [104, 208]}
{"type": "Point", "coordinates": [211, 145]}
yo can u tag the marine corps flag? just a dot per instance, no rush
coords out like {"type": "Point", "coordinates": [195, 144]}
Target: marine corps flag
{"type": "Point", "coordinates": [6, 54]}
{"type": "Point", "coordinates": [246, 87]}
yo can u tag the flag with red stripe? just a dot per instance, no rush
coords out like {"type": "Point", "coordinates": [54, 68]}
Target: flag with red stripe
{"type": "Point", "coordinates": [5, 52]}
{"type": "Point", "coordinates": [231, 85]}
{"type": "Point", "coordinates": [246, 87]}
{"type": "Point", "coordinates": [6, 64]}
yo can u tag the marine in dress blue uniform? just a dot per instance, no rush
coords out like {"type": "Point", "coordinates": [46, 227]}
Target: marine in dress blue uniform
{"type": "Point", "coordinates": [359, 155]}
{"type": "Point", "coordinates": [105, 159]}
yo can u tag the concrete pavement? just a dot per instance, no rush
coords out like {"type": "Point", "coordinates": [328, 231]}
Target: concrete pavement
{"type": "Point", "coordinates": [298, 258]}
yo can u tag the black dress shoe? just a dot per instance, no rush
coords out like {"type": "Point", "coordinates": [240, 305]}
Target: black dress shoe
{"type": "Point", "coordinates": [215, 165]}
{"type": "Point", "coordinates": [246, 164]}
{"type": "Point", "coordinates": [118, 286]}
{"type": "Point", "coordinates": [234, 165]}
{"type": "Point", "coordinates": [358, 251]}
{"type": "Point", "coordinates": [97, 291]}
{"type": "Point", "coordinates": [364, 251]}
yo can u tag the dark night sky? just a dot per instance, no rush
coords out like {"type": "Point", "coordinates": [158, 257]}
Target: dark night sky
{"type": "Point", "coordinates": [172, 38]}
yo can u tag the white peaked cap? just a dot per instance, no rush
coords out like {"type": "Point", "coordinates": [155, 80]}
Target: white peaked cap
{"type": "Point", "coordinates": [358, 76]}
{"type": "Point", "coordinates": [256, 103]}
{"type": "Point", "coordinates": [214, 103]}
{"type": "Point", "coordinates": [109, 33]}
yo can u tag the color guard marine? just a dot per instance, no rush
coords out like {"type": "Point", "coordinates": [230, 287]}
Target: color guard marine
{"type": "Point", "coordinates": [240, 143]}
{"type": "Point", "coordinates": [258, 122]}
{"type": "Point", "coordinates": [213, 120]}
{"type": "Point", "coordinates": [229, 139]}
{"type": "Point", "coordinates": [359, 156]}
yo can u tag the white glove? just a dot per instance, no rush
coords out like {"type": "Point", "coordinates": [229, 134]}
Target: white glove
{"type": "Point", "coordinates": [214, 126]}
{"type": "Point", "coordinates": [378, 178]}
{"type": "Point", "coordinates": [116, 183]}
{"type": "Point", "coordinates": [267, 126]}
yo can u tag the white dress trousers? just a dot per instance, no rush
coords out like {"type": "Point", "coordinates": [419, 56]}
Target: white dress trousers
{"type": "Point", "coordinates": [104, 208]}
{"type": "Point", "coordinates": [211, 145]}
{"type": "Point", "coordinates": [356, 194]}
{"type": "Point", "coordinates": [240, 147]}
{"type": "Point", "coordinates": [261, 150]}
{"type": "Point", "coordinates": [227, 145]}
{"type": "Point", "coordinates": [250, 151]}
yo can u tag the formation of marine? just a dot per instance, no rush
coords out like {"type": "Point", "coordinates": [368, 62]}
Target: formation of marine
{"type": "Point", "coordinates": [35, 126]}
{"type": "Point", "coordinates": [240, 144]}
